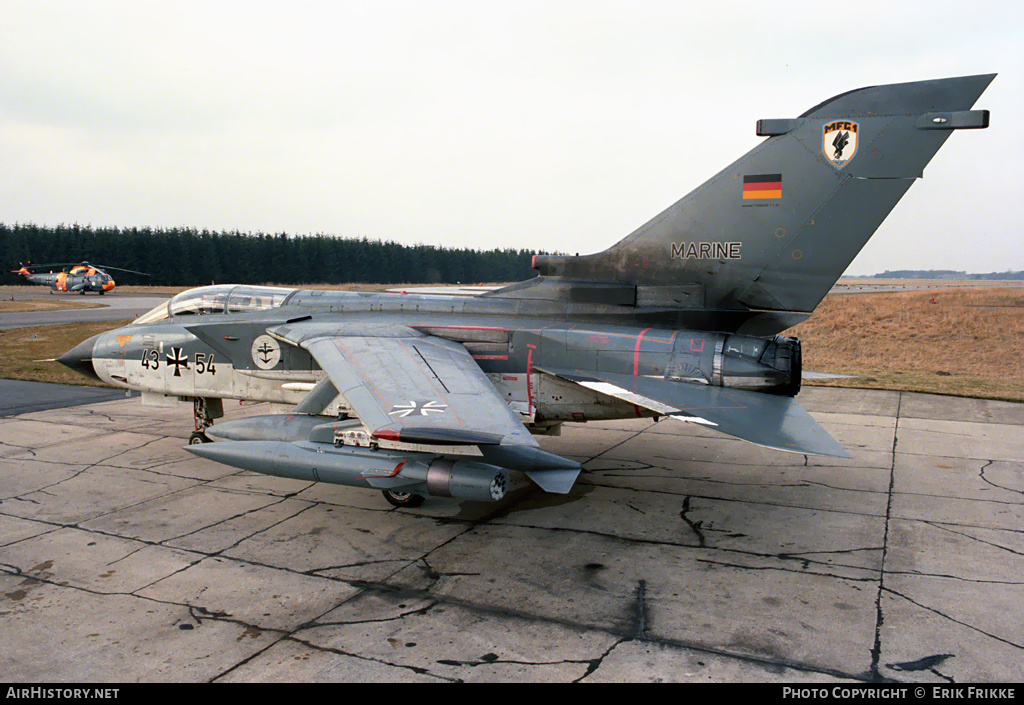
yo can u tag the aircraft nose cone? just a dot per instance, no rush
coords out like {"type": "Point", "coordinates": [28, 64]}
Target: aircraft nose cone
{"type": "Point", "coordinates": [79, 358]}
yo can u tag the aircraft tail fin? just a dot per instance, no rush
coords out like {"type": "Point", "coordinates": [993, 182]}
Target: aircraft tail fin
{"type": "Point", "coordinates": [775, 230]}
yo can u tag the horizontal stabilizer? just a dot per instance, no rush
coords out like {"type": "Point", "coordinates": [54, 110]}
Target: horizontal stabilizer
{"type": "Point", "coordinates": [764, 419]}
{"type": "Point", "coordinates": [558, 481]}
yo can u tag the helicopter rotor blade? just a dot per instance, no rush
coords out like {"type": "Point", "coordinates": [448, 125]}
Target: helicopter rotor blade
{"type": "Point", "coordinates": [119, 269]}
{"type": "Point", "coordinates": [82, 263]}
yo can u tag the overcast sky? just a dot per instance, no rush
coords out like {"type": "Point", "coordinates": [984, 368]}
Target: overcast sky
{"type": "Point", "coordinates": [538, 125]}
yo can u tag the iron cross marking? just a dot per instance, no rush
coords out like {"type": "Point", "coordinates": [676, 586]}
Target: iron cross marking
{"type": "Point", "coordinates": [178, 360]}
{"type": "Point", "coordinates": [418, 408]}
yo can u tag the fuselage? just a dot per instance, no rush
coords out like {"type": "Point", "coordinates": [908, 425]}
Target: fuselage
{"type": "Point", "coordinates": [212, 342]}
{"type": "Point", "coordinates": [79, 279]}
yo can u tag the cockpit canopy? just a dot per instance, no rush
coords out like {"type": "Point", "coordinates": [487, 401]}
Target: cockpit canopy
{"type": "Point", "coordinates": [222, 298]}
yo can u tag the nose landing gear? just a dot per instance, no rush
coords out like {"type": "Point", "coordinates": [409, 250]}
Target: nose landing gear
{"type": "Point", "coordinates": [205, 410]}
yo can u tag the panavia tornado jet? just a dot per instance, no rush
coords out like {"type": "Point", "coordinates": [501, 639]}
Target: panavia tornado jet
{"type": "Point", "coordinates": [427, 395]}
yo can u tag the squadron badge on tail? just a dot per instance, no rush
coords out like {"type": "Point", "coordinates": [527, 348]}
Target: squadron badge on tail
{"type": "Point", "coordinates": [839, 142]}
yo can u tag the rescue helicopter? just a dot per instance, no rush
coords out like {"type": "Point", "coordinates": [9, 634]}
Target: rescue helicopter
{"type": "Point", "coordinates": [74, 277]}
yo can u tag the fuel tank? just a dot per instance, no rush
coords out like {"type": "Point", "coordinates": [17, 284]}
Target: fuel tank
{"type": "Point", "coordinates": [426, 474]}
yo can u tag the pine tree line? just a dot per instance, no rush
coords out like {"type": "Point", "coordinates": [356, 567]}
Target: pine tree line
{"type": "Point", "coordinates": [191, 257]}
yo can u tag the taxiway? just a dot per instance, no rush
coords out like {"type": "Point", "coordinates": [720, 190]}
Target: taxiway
{"type": "Point", "coordinates": [115, 306]}
{"type": "Point", "coordinates": [680, 555]}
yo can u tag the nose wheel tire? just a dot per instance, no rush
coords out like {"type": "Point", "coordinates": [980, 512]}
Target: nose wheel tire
{"type": "Point", "coordinates": [197, 438]}
{"type": "Point", "coordinates": [404, 499]}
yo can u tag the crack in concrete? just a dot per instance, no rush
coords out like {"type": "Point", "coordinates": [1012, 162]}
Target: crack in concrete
{"type": "Point", "coordinates": [876, 648]}
{"type": "Point", "coordinates": [233, 517]}
{"type": "Point", "coordinates": [27, 449]}
{"type": "Point", "coordinates": [955, 621]}
{"type": "Point", "coordinates": [18, 499]}
{"type": "Point", "coordinates": [318, 624]}
{"type": "Point", "coordinates": [741, 464]}
{"type": "Point", "coordinates": [694, 525]}
{"type": "Point", "coordinates": [800, 554]}
{"type": "Point", "coordinates": [760, 502]}
{"type": "Point", "coordinates": [635, 509]}
{"type": "Point", "coordinates": [317, 572]}
{"type": "Point", "coordinates": [638, 631]}
{"type": "Point", "coordinates": [981, 474]}
{"type": "Point", "coordinates": [198, 613]}
{"type": "Point", "coordinates": [669, 474]}
{"type": "Point", "coordinates": [783, 569]}
{"type": "Point", "coordinates": [432, 576]}
{"type": "Point", "coordinates": [943, 527]}
{"type": "Point", "coordinates": [630, 634]}
{"type": "Point", "coordinates": [595, 663]}
{"type": "Point", "coordinates": [415, 669]}
{"type": "Point", "coordinates": [94, 413]}
{"type": "Point", "coordinates": [102, 462]}
{"type": "Point", "coordinates": [638, 541]}
{"type": "Point", "coordinates": [492, 659]}
{"type": "Point", "coordinates": [958, 578]}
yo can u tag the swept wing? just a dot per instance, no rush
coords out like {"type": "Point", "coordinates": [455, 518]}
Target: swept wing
{"type": "Point", "coordinates": [407, 386]}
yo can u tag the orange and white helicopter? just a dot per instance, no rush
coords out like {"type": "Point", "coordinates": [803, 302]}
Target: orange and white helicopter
{"type": "Point", "coordinates": [80, 277]}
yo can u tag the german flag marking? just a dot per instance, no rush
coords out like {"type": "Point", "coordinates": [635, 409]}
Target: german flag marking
{"type": "Point", "coordinates": [762, 186]}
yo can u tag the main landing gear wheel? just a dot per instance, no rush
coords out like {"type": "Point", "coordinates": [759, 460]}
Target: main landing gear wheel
{"type": "Point", "coordinates": [205, 411]}
{"type": "Point", "coordinates": [404, 499]}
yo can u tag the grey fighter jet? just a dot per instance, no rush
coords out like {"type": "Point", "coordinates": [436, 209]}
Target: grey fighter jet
{"type": "Point", "coordinates": [421, 395]}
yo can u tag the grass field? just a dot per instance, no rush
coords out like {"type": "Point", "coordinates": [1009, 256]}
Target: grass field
{"type": "Point", "coordinates": [965, 342]}
{"type": "Point", "coordinates": [969, 342]}
{"type": "Point", "coordinates": [27, 353]}
{"type": "Point", "coordinates": [10, 306]}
